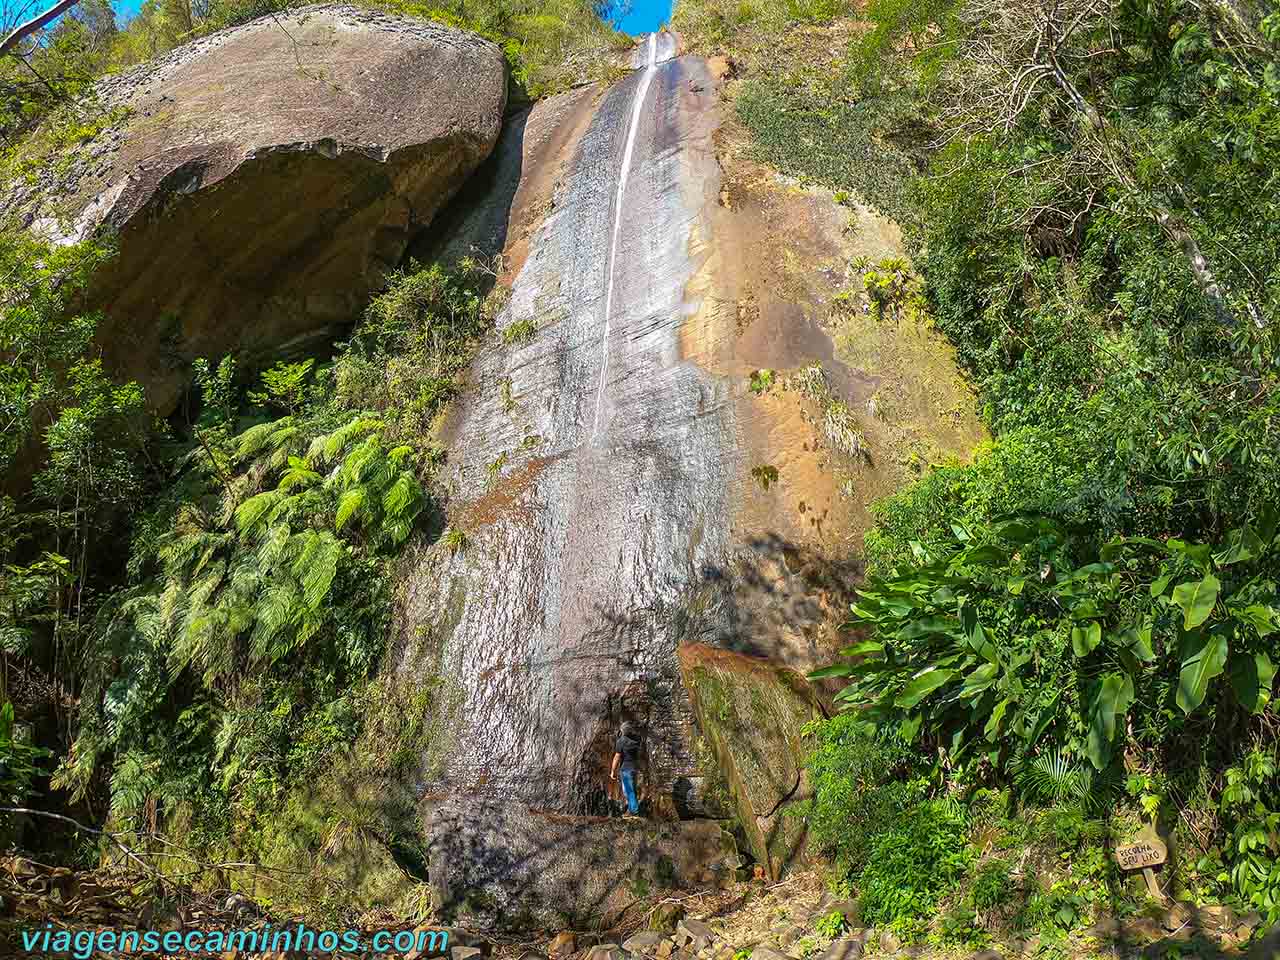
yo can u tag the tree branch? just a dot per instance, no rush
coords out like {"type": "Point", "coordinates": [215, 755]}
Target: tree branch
{"type": "Point", "coordinates": [80, 826]}
{"type": "Point", "coordinates": [34, 24]}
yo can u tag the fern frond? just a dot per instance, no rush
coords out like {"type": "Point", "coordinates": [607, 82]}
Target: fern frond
{"type": "Point", "coordinates": [315, 451]}
{"type": "Point", "coordinates": [259, 436]}
{"type": "Point", "coordinates": [131, 783]}
{"type": "Point", "coordinates": [283, 436]}
{"type": "Point", "coordinates": [351, 503]}
{"type": "Point", "coordinates": [316, 565]}
{"type": "Point", "coordinates": [339, 440]}
{"type": "Point", "coordinates": [401, 456]}
{"type": "Point", "coordinates": [274, 614]}
{"type": "Point", "coordinates": [397, 531]}
{"type": "Point", "coordinates": [298, 475]}
{"type": "Point", "coordinates": [207, 645]}
{"type": "Point", "coordinates": [403, 499]}
{"type": "Point", "coordinates": [184, 554]}
{"type": "Point", "coordinates": [250, 513]}
{"type": "Point", "coordinates": [275, 548]}
{"type": "Point", "coordinates": [361, 463]}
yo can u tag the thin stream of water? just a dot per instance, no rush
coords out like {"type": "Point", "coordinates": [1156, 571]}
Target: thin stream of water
{"type": "Point", "coordinates": [625, 172]}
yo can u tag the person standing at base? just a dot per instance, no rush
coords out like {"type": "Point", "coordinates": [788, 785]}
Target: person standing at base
{"type": "Point", "coordinates": [626, 760]}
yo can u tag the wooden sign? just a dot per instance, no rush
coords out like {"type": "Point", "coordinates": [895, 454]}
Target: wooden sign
{"type": "Point", "coordinates": [1147, 851]}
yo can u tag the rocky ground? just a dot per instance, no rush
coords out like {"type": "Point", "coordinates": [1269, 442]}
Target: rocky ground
{"type": "Point", "coordinates": [784, 921]}
{"type": "Point", "coordinates": [751, 920]}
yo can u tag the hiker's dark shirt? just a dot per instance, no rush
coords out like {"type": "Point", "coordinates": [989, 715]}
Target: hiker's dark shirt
{"type": "Point", "coordinates": [629, 747]}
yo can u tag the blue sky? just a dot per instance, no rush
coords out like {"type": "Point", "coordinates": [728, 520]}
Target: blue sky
{"type": "Point", "coordinates": [125, 9]}
{"type": "Point", "coordinates": [645, 15]}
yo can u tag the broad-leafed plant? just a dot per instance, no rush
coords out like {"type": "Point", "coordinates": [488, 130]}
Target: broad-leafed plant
{"type": "Point", "coordinates": [1007, 643]}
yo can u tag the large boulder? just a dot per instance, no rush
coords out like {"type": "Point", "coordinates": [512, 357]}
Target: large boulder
{"type": "Point", "coordinates": [752, 713]}
{"type": "Point", "coordinates": [262, 180]}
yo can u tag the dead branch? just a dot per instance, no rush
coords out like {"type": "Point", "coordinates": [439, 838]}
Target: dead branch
{"type": "Point", "coordinates": [34, 24]}
{"type": "Point", "coordinates": [114, 838]}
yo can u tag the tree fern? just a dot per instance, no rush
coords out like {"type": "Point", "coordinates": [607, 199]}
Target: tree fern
{"type": "Point", "coordinates": [401, 504]}
{"type": "Point", "coordinates": [275, 546]}
{"type": "Point", "coordinates": [257, 438]}
{"type": "Point", "coordinates": [338, 441]}
{"type": "Point", "coordinates": [279, 607]}
{"type": "Point", "coordinates": [367, 463]}
{"type": "Point", "coordinates": [205, 645]}
{"type": "Point", "coordinates": [298, 475]}
{"type": "Point", "coordinates": [131, 784]}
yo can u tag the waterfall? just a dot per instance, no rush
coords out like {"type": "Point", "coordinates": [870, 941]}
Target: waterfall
{"type": "Point", "coordinates": [625, 172]}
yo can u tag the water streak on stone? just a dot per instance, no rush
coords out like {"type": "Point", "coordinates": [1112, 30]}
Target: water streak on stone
{"type": "Point", "coordinates": [617, 221]}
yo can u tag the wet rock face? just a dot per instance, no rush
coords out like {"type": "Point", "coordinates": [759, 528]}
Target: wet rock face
{"type": "Point", "coordinates": [588, 488]}
{"type": "Point", "coordinates": [585, 466]}
{"type": "Point", "coordinates": [262, 180]}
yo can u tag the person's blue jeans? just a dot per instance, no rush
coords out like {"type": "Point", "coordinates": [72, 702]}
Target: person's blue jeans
{"type": "Point", "coordinates": [629, 790]}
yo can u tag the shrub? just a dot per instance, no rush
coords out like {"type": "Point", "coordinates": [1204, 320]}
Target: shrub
{"type": "Point", "coordinates": [854, 793]}
{"type": "Point", "coordinates": [911, 866]}
{"type": "Point", "coordinates": [992, 886]}
{"type": "Point", "coordinates": [830, 925]}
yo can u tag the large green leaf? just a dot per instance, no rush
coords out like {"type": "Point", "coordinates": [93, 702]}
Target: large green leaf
{"type": "Point", "coordinates": [926, 626]}
{"type": "Point", "coordinates": [1197, 598]}
{"type": "Point", "coordinates": [921, 685]}
{"type": "Point", "coordinates": [979, 680]}
{"type": "Point", "coordinates": [1197, 553]}
{"type": "Point", "coordinates": [1268, 521]}
{"type": "Point", "coordinates": [1017, 532]}
{"type": "Point", "coordinates": [835, 670]}
{"type": "Point", "coordinates": [862, 648]}
{"type": "Point", "coordinates": [1137, 640]}
{"type": "Point", "coordinates": [992, 729]}
{"type": "Point", "coordinates": [1092, 570]}
{"type": "Point", "coordinates": [1044, 717]}
{"type": "Point", "coordinates": [988, 555]}
{"type": "Point", "coordinates": [978, 638]}
{"type": "Point", "coordinates": [1261, 618]}
{"type": "Point", "coordinates": [1111, 700]}
{"type": "Point", "coordinates": [1242, 544]}
{"type": "Point", "coordinates": [1085, 639]}
{"type": "Point", "coordinates": [1206, 656]}
{"type": "Point", "coordinates": [1252, 675]}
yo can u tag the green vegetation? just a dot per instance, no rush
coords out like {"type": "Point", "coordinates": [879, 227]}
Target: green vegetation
{"type": "Point", "coordinates": [913, 863]}
{"type": "Point", "coordinates": [830, 925]}
{"type": "Point", "coordinates": [520, 331]}
{"type": "Point", "coordinates": [226, 657]}
{"type": "Point", "coordinates": [1081, 621]}
{"type": "Point", "coordinates": [23, 760]}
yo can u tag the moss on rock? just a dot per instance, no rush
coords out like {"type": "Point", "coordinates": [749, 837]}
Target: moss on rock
{"type": "Point", "coordinates": [751, 713]}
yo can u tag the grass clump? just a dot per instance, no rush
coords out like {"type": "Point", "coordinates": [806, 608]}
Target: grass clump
{"type": "Point", "coordinates": [520, 331]}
